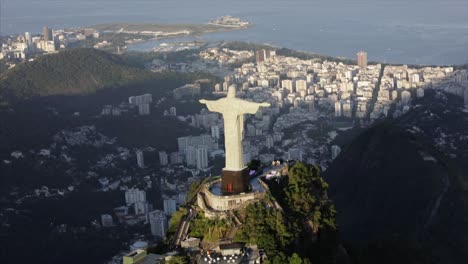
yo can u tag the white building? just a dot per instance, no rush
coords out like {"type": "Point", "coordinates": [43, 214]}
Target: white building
{"type": "Point", "coordinates": [140, 159]}
{"type": "Point", "coordinates": [215, 132]}
{"type": "Point", "coordinates": [181, 197]}
{"type": "Point", "coordinates": [301, 85]}
{"type": "Point", "coordinates": [143, 109]}
{"type": "Point", "coordinates": [170, 206]}
{"type": "Point", "coordinates": [347, 109]}
{"type": "Point", "coordinates": [191, 156]}
{"type": "Point", "coordinates": [269, 142]}
{"type": "Point", "coordinates": [163, 158]}
{"type": "Point", "coordinates": [287, 84]}
{"type": "Point", "coordinates": [338, 109]}
{"type": "Point", "coordinates": [202, 140]}
{"type": "Point", "coordinates": [141, 208]}
{"type": "Point", "coordinates": [405, 97]}
{"type": "Point", "coordinates": [106, 220]}
{"type": "Point", "coordinates": [420, 92]}
{"type": "Point", "coordinates": [133, 196]}
{"type": "Point", "coordinates": [176, 158]}
{"type": "Point", "coordinates": [158, 222]}
{"type": "Point", "coordinates": [202, 157]}
{"type": "Point", "coordinates": [28, 38]}
{"type": "Point", "coordinates": [142, 101]}
{"type": "Point", "coordinates": [415, 78]}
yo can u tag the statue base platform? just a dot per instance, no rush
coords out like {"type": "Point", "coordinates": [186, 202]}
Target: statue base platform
{"type": "Point", "coordinates": [235, 182]}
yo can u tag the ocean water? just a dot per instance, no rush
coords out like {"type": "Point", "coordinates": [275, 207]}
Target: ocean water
{"type": "Point", "coordinates": [396, 31]}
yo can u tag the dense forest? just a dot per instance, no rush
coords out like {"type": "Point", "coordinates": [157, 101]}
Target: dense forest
{"type": "Point", "coordinates": [305, 232]}
{"type": "Point", "coordinates": [70, 72]}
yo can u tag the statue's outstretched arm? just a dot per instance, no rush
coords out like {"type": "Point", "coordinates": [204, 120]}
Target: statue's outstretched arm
{"type": "Point", "coordinates": [213, 106]}
{"type": "Point", "coordinates": [251, 107]}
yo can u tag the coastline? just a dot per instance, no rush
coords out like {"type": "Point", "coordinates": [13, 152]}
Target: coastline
{"type": "Point", "coordinates": [142, 28]}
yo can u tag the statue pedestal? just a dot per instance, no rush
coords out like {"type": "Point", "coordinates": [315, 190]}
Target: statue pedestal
{"type": "Point", "coordinates": [234, 182]}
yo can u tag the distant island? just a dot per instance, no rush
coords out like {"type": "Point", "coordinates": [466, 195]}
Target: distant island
{"type": "Point", "coordinates": [168, 30]}
{"type": "Point", "coordinates": [229, 21]}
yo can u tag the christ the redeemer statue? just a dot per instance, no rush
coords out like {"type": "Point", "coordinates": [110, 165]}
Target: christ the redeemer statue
{"type": "Point", "coordinates": [233, 110]}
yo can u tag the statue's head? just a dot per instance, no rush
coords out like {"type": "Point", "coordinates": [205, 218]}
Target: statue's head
{"type": "Point", "coordinates": [231, 92]}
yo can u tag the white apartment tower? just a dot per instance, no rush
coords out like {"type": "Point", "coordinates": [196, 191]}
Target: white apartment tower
{"type": "Point", "coordinates": [420, 92]}
{"type": "Point", "coordinates": [269, 142]}
{"type": "Point", "coordinates": [202, 157]}
{"type": "Point", "coordinates": [288, 85]}
{"type": "Point", "coordinates": [301, 85]}
{"type": "Point", "coordinates": [405, 97]}
{"type": "Point", "coordinates": [191, 156]}
{"type": "Point", "coordinates": [163, 158]}
{"type": "Point", "coordinates": [170, 206]}
{"type": "Point", "coordinates": [158, 222]}
{"type": "Point", "coordinates": [143, 109]}
{"type": "Point", "coordinates": [215, 132]}
{"type": "Point", "coordinates": [140, 159]}
{"type": "Point", "coordinates": [133, 196]}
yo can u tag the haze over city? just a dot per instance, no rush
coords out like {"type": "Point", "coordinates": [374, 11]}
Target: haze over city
{"type": "Point", "coordinates": [412, 32]}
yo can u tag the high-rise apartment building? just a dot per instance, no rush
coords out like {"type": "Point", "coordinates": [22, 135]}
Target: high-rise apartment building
{"type": "Point", "coordinates": [133, 196]}
{"type": "Point", "coordinates": [163, 158]}
{"type": "Point", "coordinates": [143, 109]}
{"type": "Point", "coordinates": [287, 84]}
{"type": "Point", "coordinates": [140, 159]}
{"type": "Point", "coordinates": [261, 55]}
{"type": "Point", "coordinates": [191, 156]}
{"type": "Point", "coordinates": [338, 109]}
{"type": "Point", "coordinates": [269, 141]}
{"type": "Point", "coordinates": [169, 206]}
{"type": "Point", "coordinates": [215, 132]}
{"type": "Point", "coordinates": [405, 97]}
{"type": "Point", "coordinates": [202, 157]}
{"type": "Point", "coordinates": [47, 32]}
{"type": "Point", "coordinates": [301, 85]}
{"type": "Point", "coordinates": [28, 38]}
{"type": "Point", "coordinates": [362, 59]}
{"type": "Point", "coordinates": [158, 222]}
{"type": "Point", "coordinates": [176, 158]}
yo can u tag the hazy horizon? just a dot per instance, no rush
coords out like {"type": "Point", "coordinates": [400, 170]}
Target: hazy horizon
{"type": "Point", "coordinates": [423, 32]}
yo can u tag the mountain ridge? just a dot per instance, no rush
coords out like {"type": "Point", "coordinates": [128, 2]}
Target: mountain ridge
{"type": "Point", "coordinates": [70, 72]}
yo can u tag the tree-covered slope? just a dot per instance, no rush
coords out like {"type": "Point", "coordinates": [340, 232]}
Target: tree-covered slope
{"type": "Point", "coordinates": [382, 185]}
{"type": "Point", "coordinates": [305, 226]}
{"type": "Point", "coordinates": [70, 72]}
{"type": "Point", "coordinates": [400, 187]}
